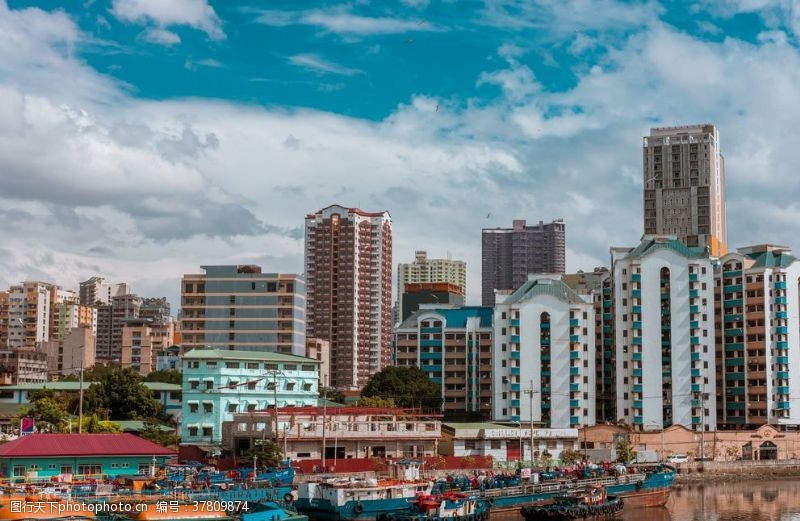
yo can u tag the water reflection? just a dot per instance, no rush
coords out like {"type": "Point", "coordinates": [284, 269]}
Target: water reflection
{"type": "Point", "coordinates": [742, 501]}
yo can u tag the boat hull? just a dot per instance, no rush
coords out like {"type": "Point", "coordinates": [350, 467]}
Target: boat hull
{"type": "Point", "coordinates": [365, 510]}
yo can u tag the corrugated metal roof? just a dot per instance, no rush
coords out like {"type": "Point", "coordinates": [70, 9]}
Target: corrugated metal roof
{"type": "Point", "coordinates": [233, 354]}
{"type": "Point", "coordinates": [60, 445]}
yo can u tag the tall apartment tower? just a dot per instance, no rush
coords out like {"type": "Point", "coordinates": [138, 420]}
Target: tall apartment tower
{"type": "Point", "coordinates": [543, 357]}
{"type": "Point", "coordinates": [97, 291]}
{"type": "Point", "coordinates": [111, 319]}
{"type": "Point", "coordinates": [241, 308]}
{"type": "Point", "coordinates": [29, 313]}
{"type": "Point", "coordinates": [684, 186]}
{"type": "Point", "coordinates": [424, 270]}
{"type": "Point", "coordinates": [664, 333]}
{"type": "Point", "coordinates": [509, 255]}
{"type": "Point", "coordinates": [348, 261]}
{"type": "Point", "coordinates": [758, 334]}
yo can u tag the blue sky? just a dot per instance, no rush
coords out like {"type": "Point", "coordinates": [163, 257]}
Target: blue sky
{"type": "Point", "coordinates": [142, 138]}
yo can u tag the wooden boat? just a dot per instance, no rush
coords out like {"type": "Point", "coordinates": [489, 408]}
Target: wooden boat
{"type": "Point", "coordinates": [591, 501]}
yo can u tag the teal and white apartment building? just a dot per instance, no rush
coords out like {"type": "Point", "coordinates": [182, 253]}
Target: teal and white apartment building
{"type": "Point", "coordinates": [664, 334]}
{"type": "Point", "coordinates": [218, 383]}
{"type": "Point", "coordinates": [544, 355]}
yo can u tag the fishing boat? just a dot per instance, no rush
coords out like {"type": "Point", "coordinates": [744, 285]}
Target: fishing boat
{"type": "Point", "coordinates": [638, 489]}
{"type": "Point", "coordinates": [346, 499]}
{"type": "Point", "coordinates": [453, 505]}
{"type": "Point", "coordinates": [32, 508]}
{"type": "Point", "coordinates": [590, 501]}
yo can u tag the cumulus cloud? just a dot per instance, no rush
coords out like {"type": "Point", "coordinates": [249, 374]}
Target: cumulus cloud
{"type": "Point", "coordinates": [194, 13]}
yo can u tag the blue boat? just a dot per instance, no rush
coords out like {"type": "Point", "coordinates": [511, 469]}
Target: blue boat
{"type": "Point", "coordinates": [270, 511]}
{"type": "Point", "coordinates": [363, 499]}
{"type": "Point", "coordinates": [443, 507]}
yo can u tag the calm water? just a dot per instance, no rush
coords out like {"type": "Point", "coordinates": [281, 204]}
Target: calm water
{"type": "Point", "coordinates": [742, 501]}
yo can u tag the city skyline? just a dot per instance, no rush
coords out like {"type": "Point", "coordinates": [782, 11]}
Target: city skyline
{"type": "Point", "coordinates": [109, 172]}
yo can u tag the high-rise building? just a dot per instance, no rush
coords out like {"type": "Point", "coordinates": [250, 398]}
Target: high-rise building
{"type": "Point", "coordinates": [544, 355]}
{"type": "Point", "coordinates": [348, 259]}
{"type": "Point", "coordinates": [155, 309]}
{"type": "Point", "coordinates": [597, 286]}
{"type": "Point", "coordinates": [453, 346]}
{"type": "Point", "coordinates": [97, 291]}
{"type": "Point", "coordinates": [239, 307]}
{"type": "Point", "coordinates": [425, 271]}
{"type": "Point", "coordinates": [142, 339]}
{"type": "Point", "coordinates": [4, 304]}
{"type": "Point", "coordinates": [684, 186]}
{"type": "Point", "coordinates": [509, 255]}
{"type": "Point", "coordinates": [664, 334]}
{"type": "Point", "coordinates": [111, 319]}
{"type": "Point", "coordinates": [29, 309]}
{"type": "Point", "coordinates": [437, 293]}
{"type": "Point", "coordinates": [758, 335]}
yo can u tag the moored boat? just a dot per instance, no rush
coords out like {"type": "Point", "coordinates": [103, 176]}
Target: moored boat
{"type": "Point", "coordinates": [591, 501]}
{"type": "Point", "coordinates": [347, 499]}
{"type": "Point", "coordinates": [442, 507]}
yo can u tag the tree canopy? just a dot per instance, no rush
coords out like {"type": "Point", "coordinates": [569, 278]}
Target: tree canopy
{"type": "Point", "coordinates": [266, 454]}
{"type": "Point", "coordinates": [167, 376]}
{"type": "Point", "coordinates": [375, 401]}
{"type": "Point", "coordinates": [121, 395]}
{"type": "Point", "coordinates": [407, 386]}
{"type": "Point", "coordinates": [331, 394]}
{"type": "Point", "coordinates": [48, 407]}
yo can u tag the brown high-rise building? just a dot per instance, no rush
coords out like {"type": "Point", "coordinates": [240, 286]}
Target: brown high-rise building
{"type": "Point", "coordinates": [509, 255]}
{"type": "Point", "coordinates": [349, 290]}
{"type": "Point", "coordinates": [684, 186]}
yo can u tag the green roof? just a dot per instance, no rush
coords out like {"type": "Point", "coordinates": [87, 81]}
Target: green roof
{"type": "Point", "coordinates": [138, 426]}
{"type": "Point", "coordinates": [772, 259]}
{"type": "Point", "coordinates": [76, 386]}
{"type": "Point", "coordinates": [234, 354]}
{"type": "Point", "coordinates": [652, 243]}
{"type": "Point", "coordinates": [545, 286]}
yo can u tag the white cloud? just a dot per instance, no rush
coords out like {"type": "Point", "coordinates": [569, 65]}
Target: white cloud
{"type": "Point", "coordinates": [341, 21]}
{"type": "Point", "coordinates": [317, 63]}
{"type": "Point", "coordinates": [160, 36]}
{"type": "Point", "coordinates": [194, 13]}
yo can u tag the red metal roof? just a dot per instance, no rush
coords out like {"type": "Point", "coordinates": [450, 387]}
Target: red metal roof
{"type": "Point", "coordinates": [54, 445]}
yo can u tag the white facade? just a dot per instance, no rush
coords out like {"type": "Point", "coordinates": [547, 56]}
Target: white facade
{"type": "Point", "coordinates": [98, 290]}
{"type": "Point", "coordinates": [664, 325]}
{"type": "Point", "coordinates": [501, 441]}
{"type": "Point", "coordinates": [544, 355]}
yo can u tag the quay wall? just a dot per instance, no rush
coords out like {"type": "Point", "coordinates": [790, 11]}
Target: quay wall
{"type": "Point", "coordinates": [721, 470]}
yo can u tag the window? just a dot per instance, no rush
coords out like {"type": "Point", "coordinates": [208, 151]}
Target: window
{"type": "Point", "coordinates": [307, 367]}
{"type": "Point", "coordinates": [192, 407]}
{"type": "Point", "coordinates": [211, 365]}
{"type": "Point", "coordinates": [307, 387]}
{"type": "Point", "coordinates": [251, 407]}
{"type": "Point", "coordinates": [252, 365]}
{"type": "Point", "coordinates": [209, 384]}
{"type": "Point", "coordinates": [270, 386]}
{"type": "Point", "coordinates": [469, 444]}
{"type": "Point", "coordinates": [232, 365]}
{"type": "Point", "coordinates": [233, 384]}
{"type": "Point", "coordinates": [194, 384]}
{"type": "Point", "coordinates": [251, 386]}
{"type": "Point", "coordinates": [66, 469]}
{"type": "Point", "coordinates": [289, 367]}
{"type": "Point", "coordinates": [208, 407]}
{"type": "Point", "coordinates": [271, 367]}
{"type": "Point", "coordinates": [192, 431]}
{"type": "Point", "coordinates": [207, 431]}
{"type": "Point", "coordinates": [193, 365]}
{"type": "Point", "coordinates": [90, 469]}
{"type": "Point", "coordinates": [19, 470]}
{"type": "Point", "coordinates": [144, 469]}
{"type": "Point", "coordinates": [290, 386]}
{"type": "Point", "coordinates": [232, 407]}
{"type": "Point", "coordinates": [175, 395]}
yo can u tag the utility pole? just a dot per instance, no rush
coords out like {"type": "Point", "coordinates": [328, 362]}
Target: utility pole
{"type": "Point", "coordinates": [324, 422]}
{"type": "Point", "coordinates": [530, 392]}
{"type": "Point", "coordinates": [702, 423]}
{"type": "Point", "coordinates": [80, 398]}
{"type": "Point", "coordinates": [275, 406]}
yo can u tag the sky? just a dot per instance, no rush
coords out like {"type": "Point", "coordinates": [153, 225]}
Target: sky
{"type": "Point", "coordinates": [141, 139]}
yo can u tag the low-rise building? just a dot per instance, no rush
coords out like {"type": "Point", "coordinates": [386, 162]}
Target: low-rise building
{"type": "Point", "coordinates": [169, 359]}
{"type": "Point", "coordinates": [218, 383]}
{"type": "Point", "coordinates": [72, 351]}
{"type": "Point", "coordinates": [503, 442]}
{"type": "Point", "coordinates": [454, 348]}
{"type": "Point", "coordinates": [348, 432]}
{"type": "Point", "coordinates": [80, 456]}
{"type": "Point", "coordinates": [24, 365]}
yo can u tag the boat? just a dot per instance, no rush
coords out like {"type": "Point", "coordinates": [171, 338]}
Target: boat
{"type": "Point", "coordinates": [590, 501]}
{"type": "Point", "coordinates": [638, 489]}
{"type": "Point", "coordinates": [31, 508]}
{"type": "Point", "coordinates": [270, 511]}
{"type": "Point", "coordinates": [452, 505]}
{"type": "Point", "coordinates": [346, 499]}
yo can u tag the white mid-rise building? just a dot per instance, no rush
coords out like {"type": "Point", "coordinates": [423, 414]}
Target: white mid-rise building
{"type": "Point", "coordinates": [29, 314]}
{"type": "Point", "coordinates": [544, 355]}
{"type": "Point", "coordinates": [664, 334]}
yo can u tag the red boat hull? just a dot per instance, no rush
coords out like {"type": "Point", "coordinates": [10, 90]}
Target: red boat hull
{"type": "Point", "coordinates": [646, 498]}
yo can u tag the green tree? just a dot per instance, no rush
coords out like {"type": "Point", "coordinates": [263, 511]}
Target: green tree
{"type": "Point", "coordinates": [122, 395]}
{"type": "Point", "coordinates": [155, 433]}
{"type": "Point", "coordinates": [408, 386]}
{"type": "Point", "coordinates": [48, 407]}
{"type": "Point", "coordinates": [331, 394]}
{"type": "Point", "coordinates": [93, 374]}
{"type": "Point", "coordinates": [93, 423]}
{"type": "Point", "coordinates": [625, 452]}
{"type": "Point", "coordinates": [375, 401]}
{"type": "Point", "coordinates": [167, 376]}
{"type": "Point", "coordinates": [265, 453]}
{"type": "Point", "coordinates": [570, 456]}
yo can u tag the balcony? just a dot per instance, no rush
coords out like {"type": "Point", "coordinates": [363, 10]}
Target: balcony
{"type": "Point", "coordinates": [780, 300]}
{"type": "Point", "coordinates": [574, 371]}
{"type": "Point", "coordinates": [636, 325]}
{"type": "Point", "coordinates": [693, 293]}
{"type": "Point", "coordinates": [637, 388]}
{"type": "Point", "coordinates": [736, 406]}
{"type": "Point", "coordinates": [734, 346]}
{"type": "Point", "coordinates": [735, 391]}
{"type": "Point", "coordinates": [734, 361]}
{"type": "Point", "coordinates": [637, 293]}
{"type": "Point", "coordinates": [695, 372]}
{"type": "Point", "coordinates": [695, 356]}
{"type": "Point", "coordinates": [733, 317]}
{"type": "Point", "coordinates": [693, 277]}
{"type": "Point", "coordinates": [780, 285]}
{"type": "Point", "coordinates": [574, 403]}
{"type": "Point", "coordinates": [782, 344]}
{"type": "Point", "coordinates": [783, 389]}
{"type": "Point", "coordinates": [574, 388]}
{"type": "Point", "coordinates": [637, 356]}
{"type": "Point", "coordinates": [545, 326]}
{"type": "Point", "coordinates": [782, 315]}
{"type": "Point", "coordinates": [574, 420]}
{"type": "Point", "coordinates": [783, 406]}
{"type": "Point", "coordinates": [514, 403]}
{"type": "Point", "coordinates": [430, 343]}
{"type": "Point", "coordinates": [782, 375]}
{"type": "Point", "coordinates": [430, 356]}
{"type": "Point", "coordinates": [516, 387]}
{"type": "Point", "coordinates": [696, 420]}
{"type": "Point", "coordinates": [574, 355]}
{"type": "Point", "coordinates": [515, 339]}
{"type": "Point", "coordinates": [637, 340]}
{"type": "Point", "coordinates": [637, 404]}
{"type": "Point", "coordinates": [636, 309]}
{"type": "Point", "coordinates": [609, 316]}
{"type": "Point", "coordinates": [732, 274]}
{"type": "Point", "coordinates": [695, 341]}
{"type": "Point", "coordinates": [694, 309]}
{"type": "Point", "coordinates": [694, 324]}
{"type": "Point", "coordinates": [636, 277]}
{"type": "Point", "coordinates": [733, 377]}
{"type": "Point", "coordinates": [735, 303]}
{"type": "Point", "coordinates": [574, 339]}
{"type": "Point", "coordinates": [637, 420]}
{"type": "Point", "coordinates": [515, 355]}
{"type": "Point", "coordinates": [514, 322]}
{"type": "Point", "coordinates": [735, 288]}
{"type": "Point", "coordinates": [430, 330]}
{"type": "Point", "coordinates": [637, 372]}
{"type": "Point", "coordinates": [574, 322]}
{"type": "Point", "coordinates": [695, 388]}
{"type": "Point", "coordinates": [784, 360]}
{"type": "Point", "coordinates": [515, 371]}
{"type": "Point", "coordinates": [782, 330]}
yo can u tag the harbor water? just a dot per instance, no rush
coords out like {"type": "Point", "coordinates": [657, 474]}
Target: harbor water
{"type": "Point", "coordinates": [763, 500]}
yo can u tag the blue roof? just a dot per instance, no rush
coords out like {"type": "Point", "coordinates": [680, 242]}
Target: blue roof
{"type": "Point", "coordinates": [454, 317]}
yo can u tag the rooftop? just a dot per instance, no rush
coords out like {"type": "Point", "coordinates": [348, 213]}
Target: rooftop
{"type": "Point", "coordinates": [455, 318]}
{"type": "Point", "coordinates": [61, 445]}
{"type": "Point", "coordinates": [233, 354]}
{"type": "Point", "coordinates": [651, 243]}
{"type": "Point", "coordinates": [544, 285]}
{"type": "Point", "coordinates": [76, 386]}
